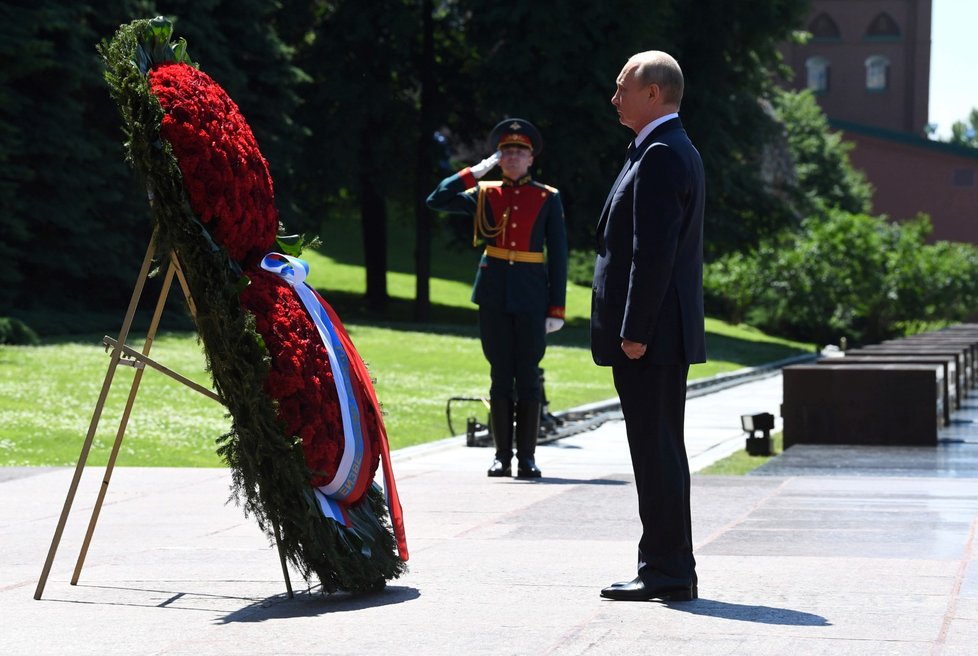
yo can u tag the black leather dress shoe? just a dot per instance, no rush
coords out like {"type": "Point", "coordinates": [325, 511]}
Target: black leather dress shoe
{"type": "Point", "coordinates": [621, 583]}
{"type": "Point", "coordinates": [499, 469]}
{"type": "Point", "coordinates": [638, 590]}
{"type": "Point", "coordinates": [527, 469]}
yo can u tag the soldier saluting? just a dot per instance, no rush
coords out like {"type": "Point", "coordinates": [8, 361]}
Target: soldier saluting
{"type": "Point", "coordinates": [519, 290]}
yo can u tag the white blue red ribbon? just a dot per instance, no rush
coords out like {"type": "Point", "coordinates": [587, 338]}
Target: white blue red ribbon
{"type": "Point", "coordinates": [330, 496]}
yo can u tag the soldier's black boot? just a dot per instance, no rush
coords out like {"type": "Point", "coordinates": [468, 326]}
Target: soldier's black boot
{"type": "Point", "coordinates": [501, 425]}
{"type": "Point", "coordinates": [527, 429]}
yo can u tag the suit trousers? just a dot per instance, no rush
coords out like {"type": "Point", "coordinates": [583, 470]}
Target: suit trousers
{"type": "Point", "coordinates": [514, 344]}
{"type": "Point", "coordinates": [653, 402]}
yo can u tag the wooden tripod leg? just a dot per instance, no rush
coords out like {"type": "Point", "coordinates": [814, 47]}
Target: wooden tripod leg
{"type": "Point", "coordinates": [123, 423]}
{"type": "Point", "coordinates": [183, 285]}
{"type": "Point", "coordinates": [96, 415]}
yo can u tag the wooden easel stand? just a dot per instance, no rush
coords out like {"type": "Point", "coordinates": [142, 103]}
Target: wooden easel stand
{"type": "Point", "coordinates": [121, 354]}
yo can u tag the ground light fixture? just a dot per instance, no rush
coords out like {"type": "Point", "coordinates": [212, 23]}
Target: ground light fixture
{"type": "Point", "coordinates": [752, 424]}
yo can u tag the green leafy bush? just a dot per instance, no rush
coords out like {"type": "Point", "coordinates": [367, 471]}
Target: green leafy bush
{"type": "Point", "coordinates": [848, 275]}
{"type": "Point", "coordinates": [824, 177]}
{"type": "Point", "coordinates": [14, 331]}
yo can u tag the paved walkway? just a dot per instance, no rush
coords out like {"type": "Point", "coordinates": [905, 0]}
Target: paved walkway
{"type": "Point", "coordinates": [825, 551]}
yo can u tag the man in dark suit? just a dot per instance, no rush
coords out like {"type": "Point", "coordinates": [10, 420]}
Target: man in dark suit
{"type": "Point", "coordinates": [647, 315]}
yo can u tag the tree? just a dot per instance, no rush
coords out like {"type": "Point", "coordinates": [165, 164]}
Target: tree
{"type": "Point", "coordinates": [343, 97]}
{"type": "Point", "coordinates": [423, 164]}
{"type": "Point", "coordinates": [526, 60]}
{"type": "Point", "coordinates": [361, 111]}
{"type": "Point", "coordinates": [553, 63]}
{"type": "Point", "coordinates": [74, 222]}
{"type": "Point", "coordinates": [67, 197]}
{"type": "Point", "coordinates": [965, 133]}
{"type": "Point", "coordinates": [823, 176]}
{"type": "Point", "coordinates": [729, 53]}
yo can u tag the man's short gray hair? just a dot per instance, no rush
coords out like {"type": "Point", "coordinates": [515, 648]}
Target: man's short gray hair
{"type": "Point", "coordinates": [657, 67]}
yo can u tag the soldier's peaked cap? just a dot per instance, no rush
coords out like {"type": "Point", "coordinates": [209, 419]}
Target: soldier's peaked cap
{"type": "Point", "coordinates": [516, 132]}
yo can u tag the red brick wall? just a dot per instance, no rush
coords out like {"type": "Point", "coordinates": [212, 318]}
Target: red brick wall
{"type": "Point", "coordinates": [913, 178]}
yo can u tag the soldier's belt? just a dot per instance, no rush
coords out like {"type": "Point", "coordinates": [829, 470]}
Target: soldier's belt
{"type": "Point", "coordinates": [514, 256]}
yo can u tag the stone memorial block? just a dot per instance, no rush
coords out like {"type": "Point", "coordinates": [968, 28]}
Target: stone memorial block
{"type": "Point", "coordinates": [946, 362]}
{"type": "Point", "coordinates": [959, 355]}
{"type": "Point", "coordinates": [882, 404]}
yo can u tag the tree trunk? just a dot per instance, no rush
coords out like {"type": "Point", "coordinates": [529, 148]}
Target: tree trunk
{"type": "Point", "coordinates": [422, 172]}
{"type": "Point", "coordinates": [373, 217]}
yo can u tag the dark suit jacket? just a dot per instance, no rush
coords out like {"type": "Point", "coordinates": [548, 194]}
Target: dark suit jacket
{"type": "Point", "coordinates": [648, 276]}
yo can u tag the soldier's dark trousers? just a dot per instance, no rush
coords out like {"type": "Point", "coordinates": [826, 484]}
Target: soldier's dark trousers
{"type": "Point", "coordinates": [514, 344]}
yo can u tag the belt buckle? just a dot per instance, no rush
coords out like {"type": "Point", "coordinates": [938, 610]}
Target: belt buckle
{"type": "Point", "coordinates": [512, 256]}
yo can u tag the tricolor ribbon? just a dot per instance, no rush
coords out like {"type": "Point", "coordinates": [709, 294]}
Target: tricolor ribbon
{"type": "Point", "coordinates": [345, 364]}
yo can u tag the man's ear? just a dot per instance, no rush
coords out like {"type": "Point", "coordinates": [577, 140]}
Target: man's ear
{"type": "Point", "coordinates": [654, 91]}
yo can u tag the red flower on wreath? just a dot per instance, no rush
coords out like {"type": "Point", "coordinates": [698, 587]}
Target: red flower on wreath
{"type": "Point", "coordinates": [301, 380]}
{"type": "Point", "coordinates": [230, 190]}
{"type": "Point", "coordinates": [224, 173]}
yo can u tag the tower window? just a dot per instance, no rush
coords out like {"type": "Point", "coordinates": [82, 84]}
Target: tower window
{"type": "Point", "coordinates": [824, 28]}
{"type": "Point", "coordinates": [877, 73]}
{"type": "Point", "coordinates": [817, 69]}
{"type": "Point", "coordinates": [883, 27]}
{"type": "Point", "coordinates": [963, 178]}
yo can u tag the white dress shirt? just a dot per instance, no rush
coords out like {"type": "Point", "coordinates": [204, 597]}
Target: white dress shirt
{"type": "Point", "coordinates": [644, 132]}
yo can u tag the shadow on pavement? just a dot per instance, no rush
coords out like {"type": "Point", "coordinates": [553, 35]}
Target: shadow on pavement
{"type": "Point", "coordinates": [552, 480]}
{"type": "Point", "coordinates": [748, 613]}
{"type": "Point", "coordinates": [312, 603]}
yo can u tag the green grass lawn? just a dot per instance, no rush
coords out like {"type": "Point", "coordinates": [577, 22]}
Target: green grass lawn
{"type": "Point", "coordinates": [48, 392]}
{"type": "Point", "coordinates": [740, 463]}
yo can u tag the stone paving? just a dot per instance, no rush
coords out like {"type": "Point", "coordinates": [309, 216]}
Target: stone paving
{"type": "Point", "coordinates": [825, 550]}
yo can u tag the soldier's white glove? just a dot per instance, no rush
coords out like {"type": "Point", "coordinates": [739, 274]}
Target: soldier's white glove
{"type": "Point", "coordinates": [554, 324]}
{"type": "Point", "coordinates": [485, 165]}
